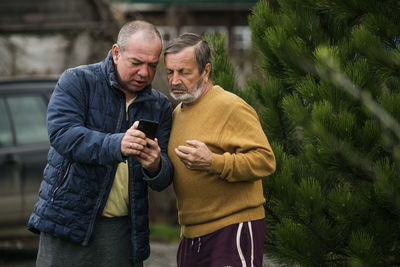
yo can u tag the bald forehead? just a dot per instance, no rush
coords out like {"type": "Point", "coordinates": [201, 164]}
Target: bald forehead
{"type": "Point", "coordinates": [142, 37]}
{"type": "Point", "coordinates": [146, 33]}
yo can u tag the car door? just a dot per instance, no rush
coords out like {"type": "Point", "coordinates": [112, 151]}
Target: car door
{"type": "Point", "coordinates": [22, 161]}
{"type": "Point", "coordinates": [10, 188]}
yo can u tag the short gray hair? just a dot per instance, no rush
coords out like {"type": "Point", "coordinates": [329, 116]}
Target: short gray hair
{"type": "Point", "coordinates": [133, 27]}
{"type": "Point", "coordinates": [202, 49]}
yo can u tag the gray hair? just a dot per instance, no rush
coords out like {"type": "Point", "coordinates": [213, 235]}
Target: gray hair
{"type": "Point", "coordinates": [133, 27]}
{"type": "Point", "coordinates": [202, 50]}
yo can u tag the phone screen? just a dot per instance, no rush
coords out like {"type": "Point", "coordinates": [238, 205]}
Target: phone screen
{"type": "Point", "coordinates": [148, 127]}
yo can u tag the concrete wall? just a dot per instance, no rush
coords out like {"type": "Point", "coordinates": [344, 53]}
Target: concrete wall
{"type": "Point", "coordinates": [37, 55]}
{"type": "Point", "coordinates": [44, 37]}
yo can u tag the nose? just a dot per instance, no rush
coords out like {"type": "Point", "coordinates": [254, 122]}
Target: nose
{"type": "Point", "coordinates": [175, 79]}
{"type": "Point", "coordinates": [143, 71]}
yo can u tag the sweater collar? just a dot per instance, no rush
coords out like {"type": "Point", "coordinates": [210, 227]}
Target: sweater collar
{"type": "Point", "coordinates": [204, 98]}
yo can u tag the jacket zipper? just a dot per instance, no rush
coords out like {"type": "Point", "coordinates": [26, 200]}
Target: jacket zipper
{"type": "Point", "coordinates": [108, 173]}
{"type": "Point", "coordinates": [62, 182]}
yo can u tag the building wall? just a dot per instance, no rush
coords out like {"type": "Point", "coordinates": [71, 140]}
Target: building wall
{"type": "Point", "coordinates": [44, 54]}
{"type": "Point", "coordinates": [203, 17]}
{"type": "Point", "coordinates": [44, 37]}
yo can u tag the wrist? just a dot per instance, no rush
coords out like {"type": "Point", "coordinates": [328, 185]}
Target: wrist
{"type": "Point", "coordinates": [153, 170]}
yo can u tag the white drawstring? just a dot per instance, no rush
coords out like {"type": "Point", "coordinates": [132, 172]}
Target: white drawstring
{"type": "Point", "coordinates": [198, 245]}
{"type": "Point", "coordinates": [199, 240]}
{"type": "Point", "coordinates": [252, 243]}
{"type": "Point", "coordinates": [239, 232]}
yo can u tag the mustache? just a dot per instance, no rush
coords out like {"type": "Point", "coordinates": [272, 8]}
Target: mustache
{"type": "Point", "coordinates": [178, 87]}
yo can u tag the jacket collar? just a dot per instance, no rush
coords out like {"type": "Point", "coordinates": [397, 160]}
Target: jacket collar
{"type": "Point", "coordinates": [107, 66]}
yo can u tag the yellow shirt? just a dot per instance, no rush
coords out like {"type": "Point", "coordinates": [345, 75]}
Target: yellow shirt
{"type": "Point", "coordinates": [231, 192]}
{"type": "Point", "coordinates": [118, 200]}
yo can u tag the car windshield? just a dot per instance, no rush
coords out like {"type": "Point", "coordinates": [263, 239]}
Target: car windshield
{"type": "Point", "coordinates": [28, 114]}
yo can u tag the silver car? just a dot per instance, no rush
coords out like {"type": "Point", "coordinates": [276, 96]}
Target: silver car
{"type": "Point", "coordinates": [23, 148]}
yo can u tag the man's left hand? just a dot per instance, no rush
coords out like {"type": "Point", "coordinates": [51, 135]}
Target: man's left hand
{"type": "Point", "coordinates": [149, 157]}
{"type": "Point", "coordinates": [196, 157]}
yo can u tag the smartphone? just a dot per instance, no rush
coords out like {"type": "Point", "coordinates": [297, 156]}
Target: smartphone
{"type": "Point", "coordinates": [148, 127]}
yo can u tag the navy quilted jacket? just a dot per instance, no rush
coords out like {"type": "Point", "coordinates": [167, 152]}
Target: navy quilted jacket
{"type": "Point", "coordinates": [84, 120]}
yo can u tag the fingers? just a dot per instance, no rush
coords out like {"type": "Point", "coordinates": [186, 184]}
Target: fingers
{"type": "Point", "coordinates": [185, 150]}
{"type": "Point", "coordinates": [135, 144]}
{"type": "Point", "coordinates": [146, 151]}
{"type": "Point", "coordinates": [187, 159]}
{"type": "Point", "coordinates": [133, 141]}
{"type": "Point", "coordinates": [135, 125]}
{"type": "Point", "coordinates": [131, 148]}
{"type": "Point", "coordinates": [194, 143]}
{"type": "Point", "coordinates": [185, 154]}
{"type": "Point", "coordinates": [197, 157]}
{"type": "Point", "coordinates": [152, 143]}
{"type": "Point", "coordinates": [184, 157]}
{"type": "Point", "coordinates": [150, 157]}
{"type": "Point", "coordinates": [151, 150]}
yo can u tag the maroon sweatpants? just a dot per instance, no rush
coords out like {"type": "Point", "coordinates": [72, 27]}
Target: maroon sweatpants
{"type": "Point", "coordinates": [237, 245]}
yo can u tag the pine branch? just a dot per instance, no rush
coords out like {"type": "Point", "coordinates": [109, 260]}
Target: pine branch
{"type": "Point", "coordinates": [324, 242]}
{"type": "Point", "coordinates": [272, 214]}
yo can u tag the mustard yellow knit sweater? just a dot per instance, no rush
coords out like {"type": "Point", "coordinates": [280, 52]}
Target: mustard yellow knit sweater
{"type": "Point", "coordinates": [231, 192]}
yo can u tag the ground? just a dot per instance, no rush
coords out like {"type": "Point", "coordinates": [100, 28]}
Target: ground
{"type": "Point", "coordinates": [163, 254]}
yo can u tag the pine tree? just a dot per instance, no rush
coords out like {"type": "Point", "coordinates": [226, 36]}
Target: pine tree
{"type": "Point", "coordinates": [329, 102]}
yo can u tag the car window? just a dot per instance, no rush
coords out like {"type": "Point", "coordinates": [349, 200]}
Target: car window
{"type": "Point", "coordinates": [5, 126]}
{"type": "Point", "coordinates": [29, 117]}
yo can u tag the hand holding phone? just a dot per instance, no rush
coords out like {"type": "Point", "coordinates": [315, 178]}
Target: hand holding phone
{"type": "Point", "coordinates": [148, 127]}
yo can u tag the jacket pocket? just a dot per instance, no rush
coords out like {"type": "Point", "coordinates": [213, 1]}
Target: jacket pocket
{"type": "Point", "coordinates": [63, 180]}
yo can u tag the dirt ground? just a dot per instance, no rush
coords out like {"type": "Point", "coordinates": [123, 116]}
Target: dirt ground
{"type": "Point", "coordinates": [162, 255]}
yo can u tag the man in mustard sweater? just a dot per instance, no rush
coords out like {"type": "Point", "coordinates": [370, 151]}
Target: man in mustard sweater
{"type": "Point", "coordinates": [220, 154]}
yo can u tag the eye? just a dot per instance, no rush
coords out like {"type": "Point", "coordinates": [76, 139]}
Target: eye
{"type": "Point", "coordinates": [184, 72]}
{"type": "Point", "coordinates": [153, 65]}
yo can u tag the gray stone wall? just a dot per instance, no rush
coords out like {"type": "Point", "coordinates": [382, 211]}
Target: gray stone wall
{"type": "Point", "coordinates": [48, 54]}
{"type": "Point", "coordinates": [44, 37]}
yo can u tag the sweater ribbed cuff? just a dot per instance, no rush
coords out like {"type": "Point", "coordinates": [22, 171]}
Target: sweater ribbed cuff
{"type": "Point", "coordinates": [218, 163]}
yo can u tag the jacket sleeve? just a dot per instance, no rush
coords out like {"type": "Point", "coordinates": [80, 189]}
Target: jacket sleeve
{"type": "Point", "coordinates": [164, 178]}
{"type": "Point", "coordinates": [248, 155]}
{"type": "Point", "coordinates": [66, 116]}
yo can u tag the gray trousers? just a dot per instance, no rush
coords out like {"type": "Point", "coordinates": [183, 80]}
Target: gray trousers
{"type": "Point", "coordinates": [110, 247]}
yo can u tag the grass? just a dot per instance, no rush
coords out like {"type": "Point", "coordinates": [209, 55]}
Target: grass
{"type": "Point", "coordinates": [164, 232]}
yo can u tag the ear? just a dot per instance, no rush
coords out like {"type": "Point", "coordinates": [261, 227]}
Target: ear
{"type": "Point", "coordinates": [206, 72]}
{"type": "Point", "coordinates": [115, 53]}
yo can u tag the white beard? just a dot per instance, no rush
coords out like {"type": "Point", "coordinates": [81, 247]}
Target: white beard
{"type": "Point", "coordinates": [189, 97]}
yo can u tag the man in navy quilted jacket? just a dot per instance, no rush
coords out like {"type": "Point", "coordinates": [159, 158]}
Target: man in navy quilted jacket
{"type": "Point", "coordinates": [92, 208]}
